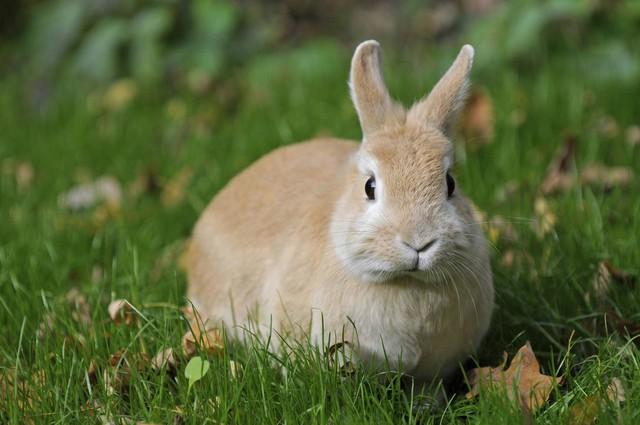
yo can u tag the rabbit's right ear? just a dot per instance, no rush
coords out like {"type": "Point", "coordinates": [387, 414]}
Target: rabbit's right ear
{"type": "Point", "coordinates": [370, 96]}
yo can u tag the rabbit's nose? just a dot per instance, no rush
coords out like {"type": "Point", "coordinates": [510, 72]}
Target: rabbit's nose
{"type": "Point", "coordinates": [423, 247]}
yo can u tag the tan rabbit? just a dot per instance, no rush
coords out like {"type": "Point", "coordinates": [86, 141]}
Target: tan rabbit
{"type": "Point", "coordinates": [320, 237]}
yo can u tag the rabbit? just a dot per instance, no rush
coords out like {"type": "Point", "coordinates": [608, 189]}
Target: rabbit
{"type": "Point", "coordinates": [366, 242]}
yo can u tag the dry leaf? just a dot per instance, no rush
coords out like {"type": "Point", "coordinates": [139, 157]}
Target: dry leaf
{"type": "Point", "coordinates": [121, 311]}
{"type": "Point", "coordinates": [476, 121]}
{"type": "Point", "coordinates": [147, 182]}
{"type": "Point", "coordinates": [507, 191]}
{"type": "Point", "coordinates": [608, 127]}
{"type": "Point", "coordinates": [92, 371]}
{"type": "Point", "coordinates": [190, 314]}
{"type": "Point", "coordinates": [117, 374]}
{"type": "Point", "coordinates": [512, 257]}
{"type": "Point", "coordinates": [615, 391]}
{"type": "Point", "coordinates": [119, 94]}
{"type": "Point", "coordinates": [234, 369]}
{"type": "Point", "coordinates": [24, 175]}
{"type": "Point", "coordinates": [86, 195]}
{"type": "Point", "coordinates": [209, 341]}
{"type": "Point", "coordinates": [522, 381]}
{"type": "Point", "coordinates": [559, 177]}
{"type": "Point", "coordinates": [97, 274]}
{"type": "Point", "coordinates": [607, 177]}
{"type": "Point", "coordinates": [173, 191]}
{"type": "Point", "coordinates": [632, 135]}
{"type": "Point", "coordinates": [47, 325]}
{"type": "Point", "coordinates": [585, 412]}
{"type": "Point", "coordinates": [545, 217]}
{"type": "Point", "coordinates": [340, 356]}
{"type": "Point", "coordinates": [622, 325]}
{"type": "Point", "coordinates": [605, 276]}
{"type": "Point", "coordinates": [498, 229]}
{"type": "Point", "coordinates": [165, 359]}
{"type": "Point", "coordinates": [80, 310]}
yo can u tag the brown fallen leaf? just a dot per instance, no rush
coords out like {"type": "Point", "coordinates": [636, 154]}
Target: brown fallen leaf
{"type": "Point", "coordinates": [173, 191]}
{"type": "Point", "coordinates": [624, 326]}
{"type": "Point", "coordinates": [521, 381]}
{"type": "Point", "coordinates": [119, 94]}
{"type": "Point", "coordinates": [340, 356]}
{"type": "Point", "coordinates": [146, 182]}
{"type": "Point", "coordinates": [512, 257]}
{"type": "Point", "coordinates": [178, 419]}
{"type": "Point", "coordinates": [607, 177]}
{"type": "Point", "coordinates": [545, 217]}
{"type": "Point", "coordinates": [190, 314]}
{"type": "Point", "coordinates": [92, 371]}
{"type": "Point", "coordinates": [97, 274]}
{"type": "Point", "coordinates": [121, 311]}
{"type": "Point", "coordinates": [615, 391]}
{"type": "Point", "coordinates": [632, 135]}
{"type": "Point", "coordinates": [24, 175]}
{"type": "Point", "coordinates": [117, 373]}
{"type": "Point", "coordinates": [497, 228]}
{"type": "Point", "coordinates": [46, 325]}
{"type": "Point", "coordinates": [607, 126]}
{"type": "Point", "coordinates": [476, 120]}
{"type": "Point", "coordinates": [80, 310]}
{"type": "Point", "coordinates": [165, 359]}
{"type": "Point", "coordinates": [559, 177]}
{"type": "Point", "coordinates": [21, 388]}
{"type": "Point", "coordinates": [198, 339]}
{"type": "Point", "coordinates": [507, 191]}
{"type": "Point", "coordinates": [585, 411]}
{"type": "Point", "coordinates": [606, 275]}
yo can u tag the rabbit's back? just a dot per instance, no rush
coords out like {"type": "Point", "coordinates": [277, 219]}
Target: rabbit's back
{"type": "Point", "coordinates": [238, 242]}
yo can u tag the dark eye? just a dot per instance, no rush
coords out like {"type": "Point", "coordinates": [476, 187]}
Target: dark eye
{"type": "Point", "coordinates": [370, 188]}
{"type": "Point", "coordinates": [451, 185]}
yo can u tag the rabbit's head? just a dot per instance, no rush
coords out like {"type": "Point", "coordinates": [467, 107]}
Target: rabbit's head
{"type": "Point", "coordinates": [401, 212]}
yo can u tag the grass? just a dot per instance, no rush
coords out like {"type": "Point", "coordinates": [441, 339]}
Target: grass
{"type": "Point", "coordinates": [131, 253]}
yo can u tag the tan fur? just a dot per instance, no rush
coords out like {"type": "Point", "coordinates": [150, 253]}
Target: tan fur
{"type": "Point", "coordinates": [292, 243]}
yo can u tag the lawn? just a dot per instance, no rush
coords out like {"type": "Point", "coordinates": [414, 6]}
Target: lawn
{"type": "Point", "coordinates": [171, 150]}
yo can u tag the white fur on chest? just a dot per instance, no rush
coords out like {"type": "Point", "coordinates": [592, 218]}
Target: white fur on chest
{"type": "Point", "coordinates": [424, 330]}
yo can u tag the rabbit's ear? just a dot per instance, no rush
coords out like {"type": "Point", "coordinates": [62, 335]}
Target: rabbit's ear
{"type": "Point", "coordinates": [441, 105]}
{"type": "Point", "coordinates": [370, 96]}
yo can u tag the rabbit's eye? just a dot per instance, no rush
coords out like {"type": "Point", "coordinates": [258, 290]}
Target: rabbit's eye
{"type": "Point", "coordinates": [451, 185]}
{"type": "Point", "coordinates": [370, 188]}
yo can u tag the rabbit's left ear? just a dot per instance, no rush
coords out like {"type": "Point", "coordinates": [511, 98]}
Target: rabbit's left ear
{"type": "Point", "coordinates": [442, 104]}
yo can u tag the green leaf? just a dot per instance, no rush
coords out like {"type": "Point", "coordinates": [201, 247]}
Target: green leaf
{"type": "Point", "coordinates": [147, 30]}
{"type": "Point", "coordinates": [195, 370]}
{"type": "Point", "coordinates": [97, 57]}
{"type": "Point", "coordinates": [54, 29]}
{"type": "Point", "coordinates": [214, 20]}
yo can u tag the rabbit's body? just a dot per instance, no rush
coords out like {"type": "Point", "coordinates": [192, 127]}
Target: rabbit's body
{"type": "Point", "coordinates": [285, 246]}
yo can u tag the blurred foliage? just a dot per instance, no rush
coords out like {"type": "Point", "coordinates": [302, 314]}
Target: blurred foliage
{"type": "Point", "coordinates": [200, 42]}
